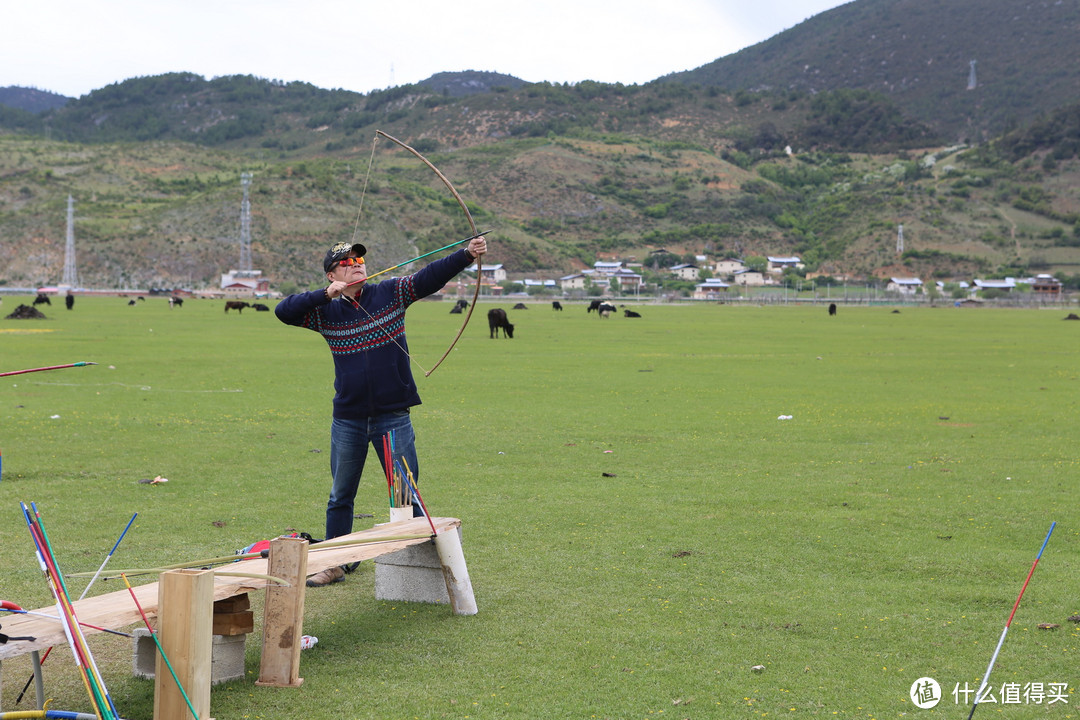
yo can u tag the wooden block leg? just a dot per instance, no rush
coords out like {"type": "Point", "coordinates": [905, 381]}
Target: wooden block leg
{"type": "Point", "coordinates": [185, 611]}
{"type": "Point", "coordinates": [283, 614]}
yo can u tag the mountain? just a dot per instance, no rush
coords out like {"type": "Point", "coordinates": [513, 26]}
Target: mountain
{"type": "Point", "coordinates": [920, 54]}
{"type": "Point", "coordinates": [31, 99]}
{"type": "Point", "coordinates": [470, 82]}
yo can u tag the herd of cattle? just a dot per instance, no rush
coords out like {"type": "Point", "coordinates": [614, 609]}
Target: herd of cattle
{"type": "Point", "coordinates": [497, 319]}
{"type": "Point", "coordinates": [237, 305]}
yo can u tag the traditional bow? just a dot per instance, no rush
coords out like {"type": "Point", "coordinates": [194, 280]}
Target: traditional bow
{"type": "Point", "coordinates": [472, 225]}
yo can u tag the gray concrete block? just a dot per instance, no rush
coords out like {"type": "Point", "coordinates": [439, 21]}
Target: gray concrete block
{"type": "Point", "coordinates": [413, 574]}
{"type": "Point", "coordinates": [227, 657]}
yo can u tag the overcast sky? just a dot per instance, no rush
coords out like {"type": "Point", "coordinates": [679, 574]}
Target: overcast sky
{"type": "Point", "coordinates": [73, 47]}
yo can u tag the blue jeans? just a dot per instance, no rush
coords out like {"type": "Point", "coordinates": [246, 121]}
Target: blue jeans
{"type": "Point", "coordinates": [349, 441]}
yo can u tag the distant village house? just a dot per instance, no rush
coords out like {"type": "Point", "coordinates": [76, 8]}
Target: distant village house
{"type": "Point", "coordinates": [686, 271]}
{"type": "Point", "coordinates": [244, 282]}
{"type": "Point", "coordinates": [711, 289]}
{"type": "Point", "coordinates": [492, 274]}
{"type": "Point", "coordinates": [750, 277]}
{"type": "Point", "coordinates": [904, 286]}
{"type": "Point", "coordinates": [779, 264]}
{"type": "Point", "coordinates": [728, 267]}
{"type": "Point", "coordinates": [1006, 285]}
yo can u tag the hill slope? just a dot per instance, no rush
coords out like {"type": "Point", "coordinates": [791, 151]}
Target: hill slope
{"type": "Point", "coordinates": [167, 214]}
{"type": "Point", "coordinates": [918, 52]}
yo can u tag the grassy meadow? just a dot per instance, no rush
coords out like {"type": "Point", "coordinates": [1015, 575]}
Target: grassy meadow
{"type": "Point", "coordinates": [641, 527]}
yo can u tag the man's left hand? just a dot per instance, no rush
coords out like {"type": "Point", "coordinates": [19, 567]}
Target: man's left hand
{"type": "Point", "coordinates": [477, 247]}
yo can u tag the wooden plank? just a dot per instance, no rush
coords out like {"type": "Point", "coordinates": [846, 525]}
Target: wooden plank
{"type": "Point", "coordinates": [116, 611]}
{"type": "Point", "coordinates": [283, 615]}
{"type": "Point", "coordinates": [186, 603]}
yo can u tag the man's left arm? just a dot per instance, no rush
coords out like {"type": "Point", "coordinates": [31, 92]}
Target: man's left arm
{"type": "Point", "coordinates": [434, 277]}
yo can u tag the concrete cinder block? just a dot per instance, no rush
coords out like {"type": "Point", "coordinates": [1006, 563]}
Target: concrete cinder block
{"type": "Point", "coordinates": [413, 574]}
{"type": "Point", "coordinates": [227, 659]}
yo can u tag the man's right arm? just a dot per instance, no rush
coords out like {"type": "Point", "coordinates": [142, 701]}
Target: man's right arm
{"type": "Point", "coordinates": [295, 309]}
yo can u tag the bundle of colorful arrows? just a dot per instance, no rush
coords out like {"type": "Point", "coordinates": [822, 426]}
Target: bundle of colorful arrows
{"type": "Point", "coordinates": [95, 686]}
{"type": "Point", "coordinates": [399, 477]}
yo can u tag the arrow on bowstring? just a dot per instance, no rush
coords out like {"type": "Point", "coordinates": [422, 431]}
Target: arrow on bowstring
{"type": "Point", "coordinates": [420, 257]}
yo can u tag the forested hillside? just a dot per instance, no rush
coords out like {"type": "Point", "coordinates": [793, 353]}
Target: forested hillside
{"type": "Point", "coordinates": [919, 53]}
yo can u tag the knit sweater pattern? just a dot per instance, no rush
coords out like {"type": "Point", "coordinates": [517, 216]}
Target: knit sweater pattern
{"type": "Point", "coordinates": [366, 336]}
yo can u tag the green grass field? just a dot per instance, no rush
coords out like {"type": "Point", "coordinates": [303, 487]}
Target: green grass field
{"type": "Point", "coordinates": [640, 527]}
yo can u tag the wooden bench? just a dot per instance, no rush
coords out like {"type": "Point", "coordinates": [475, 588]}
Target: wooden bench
{"type": "Point", "coordinates": [117, 610]}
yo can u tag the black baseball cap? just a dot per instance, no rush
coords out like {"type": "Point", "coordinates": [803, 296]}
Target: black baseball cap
{"type": "Point", "coordinates": [339, 251]}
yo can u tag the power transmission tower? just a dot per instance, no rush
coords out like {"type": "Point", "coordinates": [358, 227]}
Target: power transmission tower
{"type": "Point", "coordinates": [972, 83]}
{"type": "Point", "coordinates": [70, 277]}
{"type": "Point", "coordinates": [245, 225]}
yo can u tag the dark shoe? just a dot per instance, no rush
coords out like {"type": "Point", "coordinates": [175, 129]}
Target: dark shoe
{"type": "Point", "coordinates": [326, 577]}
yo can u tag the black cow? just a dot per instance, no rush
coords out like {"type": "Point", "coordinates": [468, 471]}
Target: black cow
{"type": "Point", "coordinates": [520, 306]}
{"type": "Point", "coordinates": [556, 305]}
{"type": "Point", "coordinates": [594, 305]}
{"type": "Point", "coordinates": [497, 319]}
{"type": "Point", "coordinates": [178, 302]}
{"type": "Point", "coordinates": [259, 307]}
{"type": "Point", "coordinates": [630, 313]}
{"type": "Point", "coordinates": [131, 301]}
{"type": "Point", "coordinates": [606, 309]}
{"type": "Point", "coordinates": [832, 308]}
{"type": "Point", "coordinates": [42, 299]}
{"type": "Point", "coordinates": [456, 310]}
{"type": "Point", "coordinates": [236, 305]}
{"type": "Point", "coordinates": [459, 306]}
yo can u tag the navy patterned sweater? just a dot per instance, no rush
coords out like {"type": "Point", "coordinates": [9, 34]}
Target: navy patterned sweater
{"type": "Point", "coordinates": [367, 336]}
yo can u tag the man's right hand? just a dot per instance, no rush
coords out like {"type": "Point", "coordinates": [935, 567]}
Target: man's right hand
{"type": "Point", "coordinates": [336, 289]}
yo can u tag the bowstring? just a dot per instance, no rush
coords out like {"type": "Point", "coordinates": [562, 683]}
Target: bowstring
{"type": "Point", "coordinates": [356, 229]}
{"type": "Point", "coordinates": [363, 191]}
{"type": "Point", "coordinates": [387, 333]}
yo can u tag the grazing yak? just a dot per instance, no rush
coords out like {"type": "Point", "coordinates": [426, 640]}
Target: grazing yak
{"type": "Point", "coordinates": [237, 305]}
{"type": "Point", "coordinates": [176, 302]}
{"type": "Point", "coordinates": [556, 305]}
{"type": "Point", "coordinates": [497, 319]}
{"type": "Point", "coordinates": [630, 313]}
{"type": "Point", "coordinates": [602, 307]}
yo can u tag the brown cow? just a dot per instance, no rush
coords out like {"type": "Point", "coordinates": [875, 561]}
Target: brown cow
{"type": "Point", "coordinates": [236, 305]}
